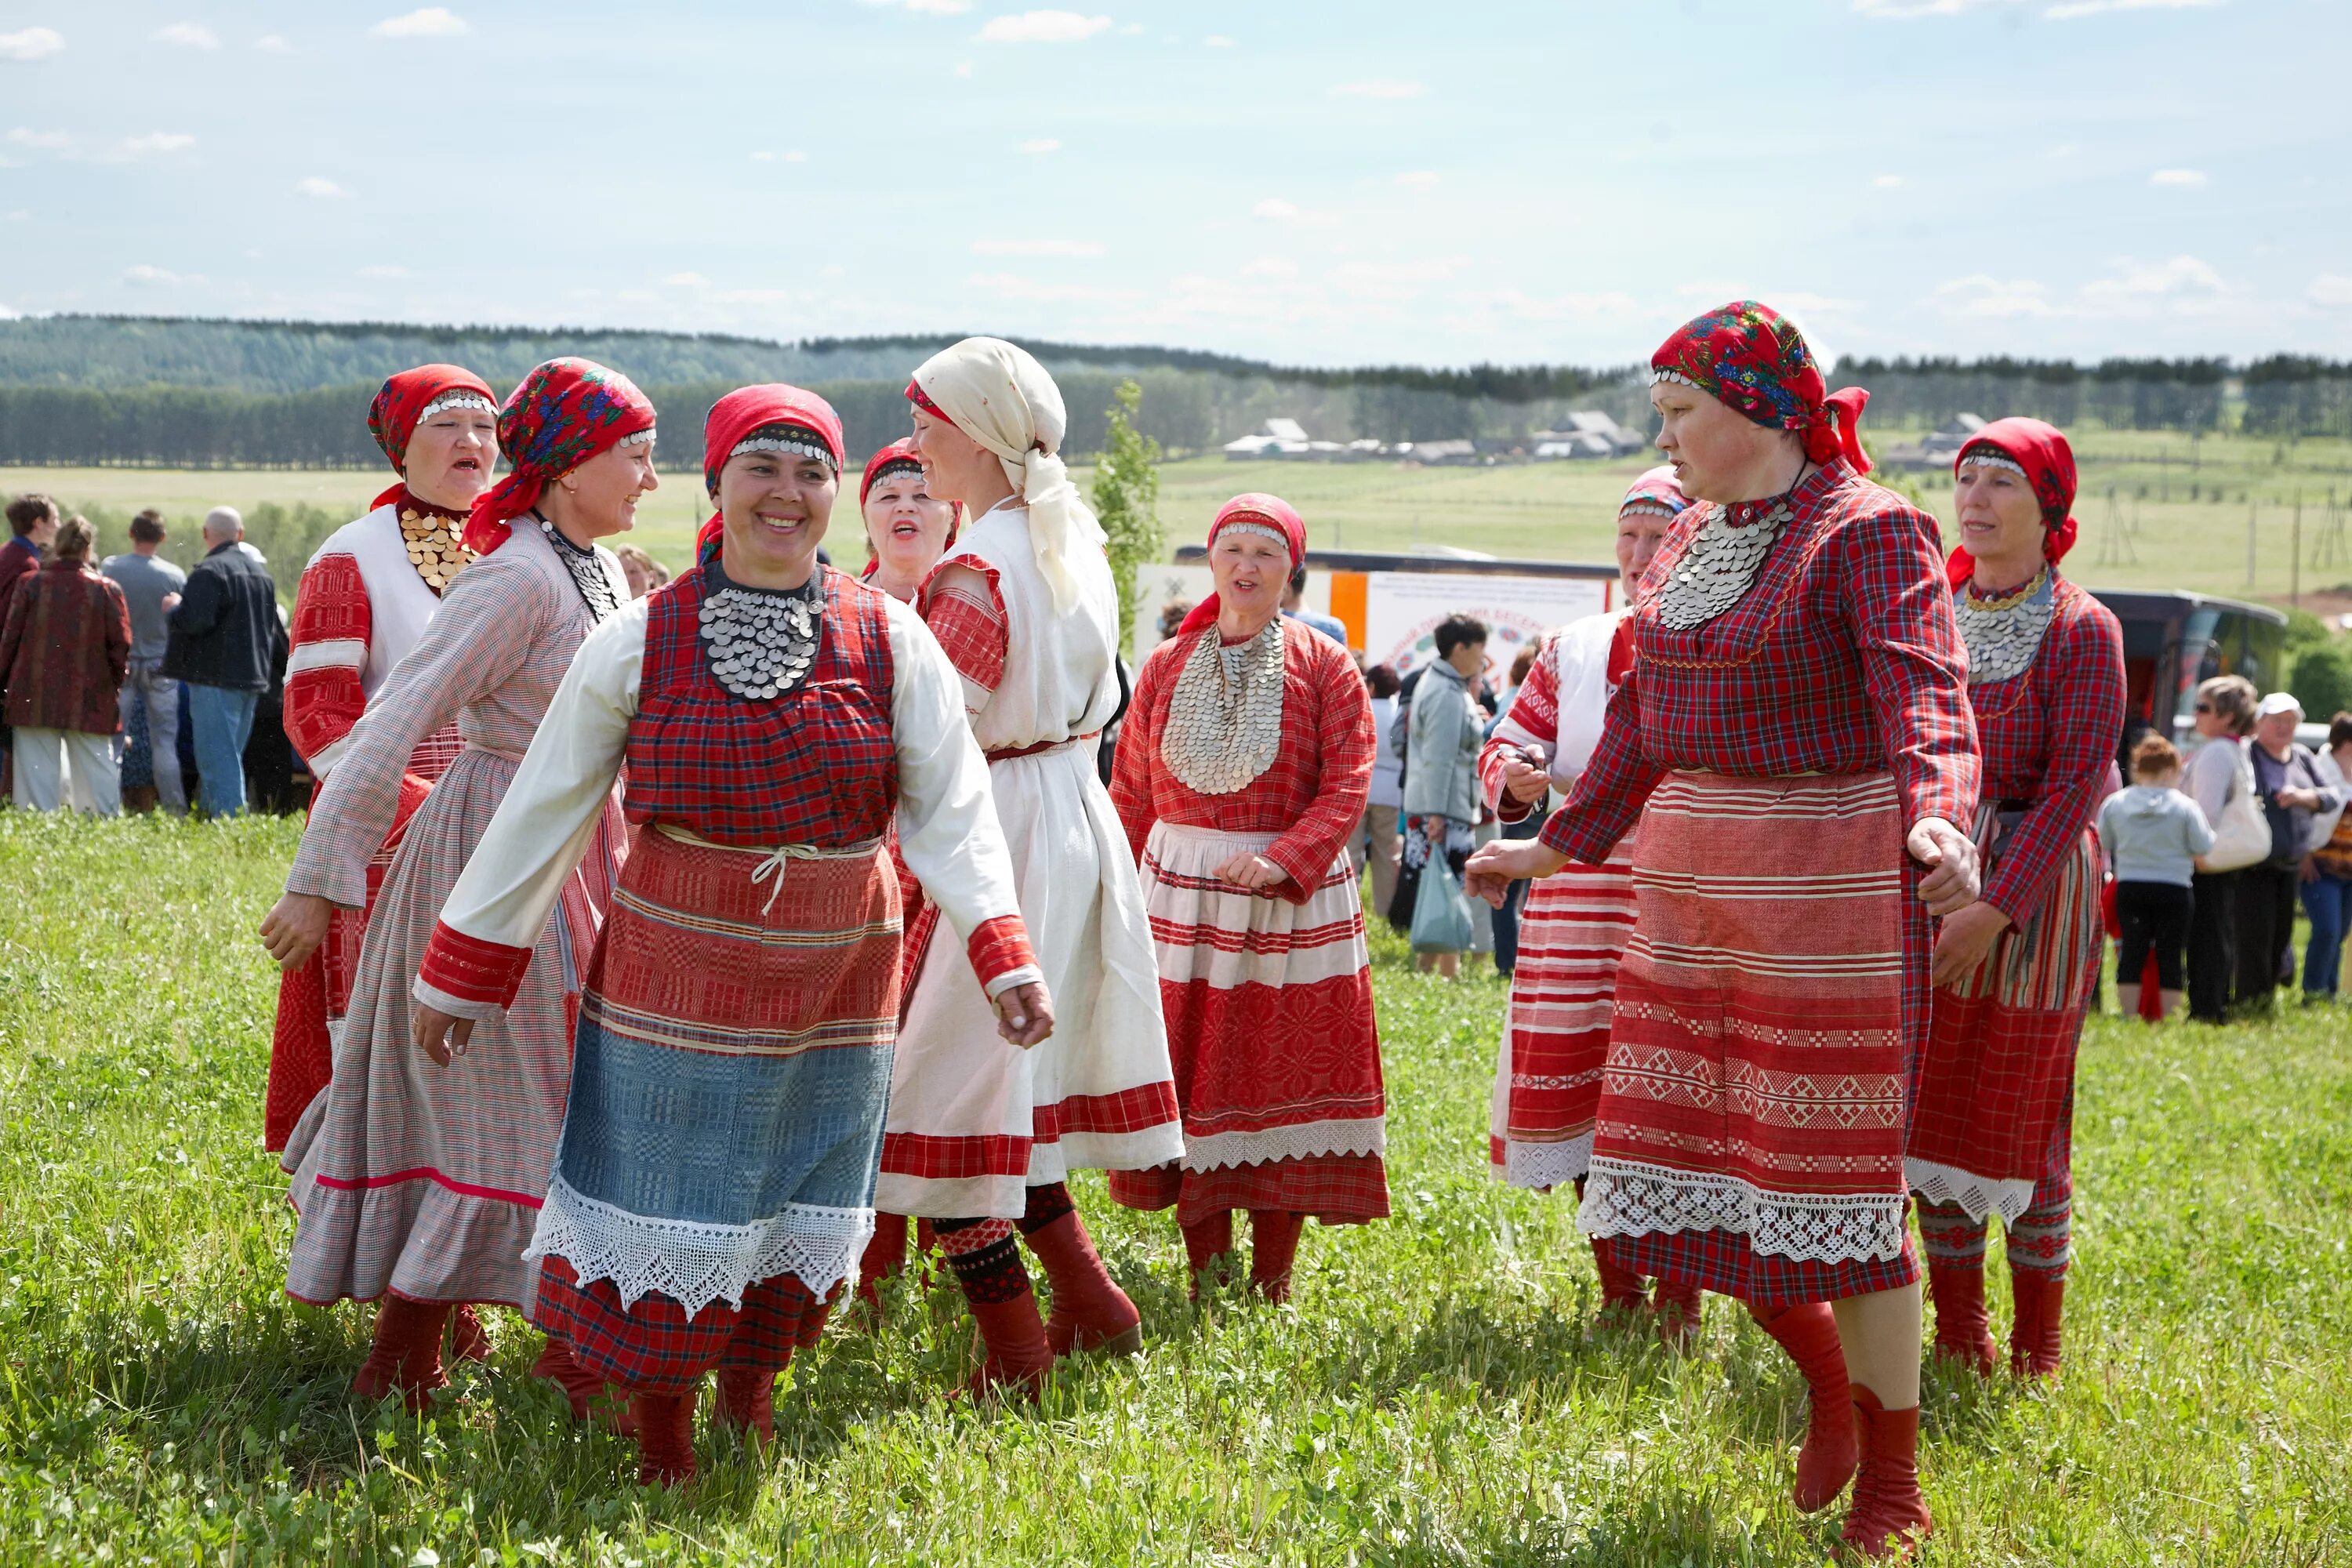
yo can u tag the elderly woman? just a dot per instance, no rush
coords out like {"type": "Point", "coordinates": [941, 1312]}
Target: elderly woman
{"type": "Point", "coordinates": [906, 531]}
{"type": "Point", "coordinates": [981, 1134]}
{"type": "Point", "coordinates": [1797, 746]}
{"type": "Point", "coordinates": [421, 1187]}
{"type": "Point", "coordinates": [360, 606]}
{"type": "Point", "coordinates": [716, 1177]}
{"type": "Point", "coordinates": [2294, 788]}
{"type": "Point", "coordinates": [1992, 1131]}
{"type": "Point", "coordinates": [1243, 771]}
{"type": "Point", "coordinates": [1575, 926]}
{"type": "Point", "coordinates": [65, 649]}
{"type": "Point", "coordinates": [2218, 775]}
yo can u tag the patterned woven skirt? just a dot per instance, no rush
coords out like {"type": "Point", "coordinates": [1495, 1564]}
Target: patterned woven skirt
{"type": "Point", "coordinates": [1753, 1112]}
{"type": "Point", "coordinates": [1572, 931]}
{"type": "Point", "coordinates": [1270, 1032]}
{"type": "Point", "coordinates": [1997, 1080]}
{"type": "Point", "coordinates": [715, 1184]}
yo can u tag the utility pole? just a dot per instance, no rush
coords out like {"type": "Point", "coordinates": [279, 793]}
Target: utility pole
{"type": "Point", "coordinates": [2250, 542]}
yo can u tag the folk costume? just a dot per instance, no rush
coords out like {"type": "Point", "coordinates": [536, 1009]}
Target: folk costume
{"type": "Point", "coordinates": [981, 1133]}
{"type": "Point", "coordinates": [715, 1182]}
{"type": "Point", "coordinates": [1798, 702]}
{"type": "Point", "coordinates": [898, 458]}
{"type": "Point", "coordinates": [1259, 747]}
{"type": "Point", "coordinates": [1572, 931]}
{"type": "Point", "coordinates": [1993, 1129]}
{"type": "Point", "coordinates": [416, 1182]}
{"type": "Point", "coordinates": [361, 605]}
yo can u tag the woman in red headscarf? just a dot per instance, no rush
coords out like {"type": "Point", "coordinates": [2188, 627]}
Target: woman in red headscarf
{"type": "Point", "coordinates": [414, 1186]}
{"type": "Point", "coordinates": [716, 1178]}
{"type": "Point", "coordinates": [1243, 769]}
{"type": "Point", "coordinates": [1795, 741]}
{"type": "Point", "coordinates": [362, 604]}
{"type": "Point", "coordinates": [2016, 970]}
{"type": "Point", "coordinates": [906, 531]}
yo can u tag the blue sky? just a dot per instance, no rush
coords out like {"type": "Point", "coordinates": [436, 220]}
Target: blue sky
{"type": "Point", "coordinates": [1314, 183]}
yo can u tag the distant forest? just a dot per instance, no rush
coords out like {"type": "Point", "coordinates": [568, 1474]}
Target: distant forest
{"type": "Point", "coordinates": [179, 393]}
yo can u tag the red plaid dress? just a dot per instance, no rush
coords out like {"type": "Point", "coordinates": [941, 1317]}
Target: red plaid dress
{"type": "Point", "coordinates": [1771, 1004]}
{"type": "Point", "coordinates": [1268, 995]}
{"type": "Point", "coordinates": [1995, 1108]}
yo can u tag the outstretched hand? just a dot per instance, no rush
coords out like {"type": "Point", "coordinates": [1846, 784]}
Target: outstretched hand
{"type": "Point", "coordinates": [1496, 864]}
{"type": "Point", "coordinates": [1024, 1014]}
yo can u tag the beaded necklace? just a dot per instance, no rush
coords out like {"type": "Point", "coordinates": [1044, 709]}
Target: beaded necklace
{"type": "Point", "coordinates": [587, 572]}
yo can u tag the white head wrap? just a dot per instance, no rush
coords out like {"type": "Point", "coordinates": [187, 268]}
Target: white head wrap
{"type": "Point", "coordinates": [1000, 397]}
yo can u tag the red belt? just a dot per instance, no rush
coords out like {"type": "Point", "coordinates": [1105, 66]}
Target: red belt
{"type": "Point", "coordinates": [1009, 753]}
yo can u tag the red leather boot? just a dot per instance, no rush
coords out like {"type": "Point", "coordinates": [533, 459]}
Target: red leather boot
{"type": "Point", "coordinates": [1808, 1332]}
{"type": "Point", "coordinates": [406, 1354]}
{"type": "Point", "coordinates": [2038, 1298]}
{"type": "Point", "coordinates": [468, 1340]}
{"type": "Point", "coordinates": [886, 1255]}
{"type": "Point", "coordinates": [1623, 1292]}
{"type": "Point", "coordinates": [1889, 1516]}
{"type": "Point", "coordinates": [1962, 1331]}
{"type": "Point", "coordinates": [1677, 1303]}
{"type": "Point", "coordinates": [583, 1389]}
{"type": "Point", "coordinates": [1018, 1357]}
{"type": "Point", "coordinates": [747, 1400]}
{"type": "Point", "coordinates": [1209, 1249]}
{"type": "Point", "coordinates": [664, 1425]}
{"type": "Point", "coordinates": [1090, 1313]}
{"type": "Point", "coordinates": [1273, 1247]}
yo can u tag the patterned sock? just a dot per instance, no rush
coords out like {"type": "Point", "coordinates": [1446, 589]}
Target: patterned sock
{"type": "Point", "coordinates": [2042, 1239]}
{"type": "Point", "coordinates": [986, 1258]}
{"type": "Point", "coordinates": [1046, 1204]}
{"type": "Point", "coordinates": [1949, 1238]}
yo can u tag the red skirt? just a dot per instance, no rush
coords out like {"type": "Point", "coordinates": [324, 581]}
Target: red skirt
{"type": "Point", "coordinates": [1751, 1134]}
{"type": "Point", "coordinates": [1997, 1079]}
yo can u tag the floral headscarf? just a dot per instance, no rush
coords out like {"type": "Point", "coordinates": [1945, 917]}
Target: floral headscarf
{"type": "Point", "coordinates": [1656, 491]}
{"type": "Point", "coordinates": [771, 417]}
{"type": "Point", "coordinates": [2039, 452]}
{"type": "Point", "coordinates": [407, 399]}
{"type": "Point", "coordinates": [564, 412]}
{"type": "Point", "coordinates": [1751, 360]}
{"type": "Point", "coordinates": [1259, 513]}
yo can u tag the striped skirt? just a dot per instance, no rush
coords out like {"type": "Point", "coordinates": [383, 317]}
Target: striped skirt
{"type": "Point", "coordinates": [715, 1182]}
{"type": "Point", "coordinates": [1751, 1122]}
{"type": "Point", "coordinates": [1997, 1080]}
{"type": "Point", "coordinates": [1572, 932]}
{"type": "Point", "coordinates": [1271, 1038]}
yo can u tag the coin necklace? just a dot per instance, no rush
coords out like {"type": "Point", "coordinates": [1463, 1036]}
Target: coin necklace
{"type": "Point", "coordinates": [434, 547]}
{"type": "Point", "coordinates": [2004, 633]}
{"type": "Point", "coordinates": [1225, 718]}
{"type": "Point", "coordinates": [760, 642]}
{"type": "Point", "coordinates": [1720, 565]}
{"type": "Point", "coordinates": [587, 572]}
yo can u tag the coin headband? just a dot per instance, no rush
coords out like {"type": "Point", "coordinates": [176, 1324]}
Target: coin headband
{"type": "Point", "coordinates": [1991, 459]}
{"type": "Point", "coordinates": [449, 400]}
{"type": "Point", "coordinates": [788, 438]}
{"type": "Point", "coordinates": [1263, 530]}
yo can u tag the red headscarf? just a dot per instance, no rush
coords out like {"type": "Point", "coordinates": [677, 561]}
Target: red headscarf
{"type": "Point", "coordinates": [898, 458]}
{"type": "Point", "coordinates": [1269, 511]}
{"type": "Point", "coordinates": [402, 402]}
{"type": "Point", "coordinates": [564, 412]}
{"type": "Point", "coordinates": [1750, 360]}
{"type": "Point", "coordinates": [787, 418]}
{"type": "Point", "coordinates": [2048, 463]}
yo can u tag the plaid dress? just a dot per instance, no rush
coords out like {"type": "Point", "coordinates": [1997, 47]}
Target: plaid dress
{"type": "Point", "coordinates": [65, 648]}
{"type": "Point", "coordinates": [1772, 1003]}
{"type": "Point", "coordinates": [422, 1180]}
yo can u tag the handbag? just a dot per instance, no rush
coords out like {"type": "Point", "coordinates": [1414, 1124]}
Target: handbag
{"type": "Point", "coordinates": [2243, 837]}
{"type": "Point", "coordinates": [1440, 910]}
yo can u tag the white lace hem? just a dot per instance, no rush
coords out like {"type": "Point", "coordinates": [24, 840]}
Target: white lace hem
{"type": "Point", "coordinates": [1977, 1195]}
{"type": "Point", "coordinates": [1544, 1165]}
{"type": "Point", "coordinates": [1366, 1135]}
{"type": "Point", "coordinates": [695, 1263]}
{"type": "Point", "coordinates": [1623, 1199]}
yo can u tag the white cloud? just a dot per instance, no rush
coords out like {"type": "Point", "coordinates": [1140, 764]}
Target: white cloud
{"type": "Point", "coordinates": [2331, 290]}
{"type": "Point", "coordinates": [2184, 179]}
{"type": "Point", "coordinates": [1073, 247]}
{"type": "Point", "coordinates": [794, 156]}
{"type": "Point", "coordinates": [1905, 10]}
{"type": "Point", "coordinates": [1888, 181]}
{"type": "Point", "coordinates": [32, 43]}
{"type": "Point", "coordinates": [1276, 209]}
{"type": "Point", "coordinates": [17, 215]}
{"type": "Point", "coordinates": [2183, 286]}
{"type": "Point", "coordinates": [1028, 290]}
{"type": "Point", "coordinates": [1383, 90]}
{"type": "Point", "coordinates": [145, 276]}
{"type": "Point", "coordinates": [2070, 9]}
{"type": "Point", "coordinates": [1424, 178]}
{"type": "Point", "coordinates": [324, 190]}
{"type": "Point", "coordinates": [1271, 266]}
{"type": "Point", "coordinates": [383, 269]}
{"type": "Point", "coordinates": [1395, 280]}
{"type": "Point", "coordinates": [431, 22]}
{"type": "Point", "coordinates": [1132, 30]}
{"type": "Point", "coordinates": [7, 314]}
{"type": "Point", "coordinates": [1043, 27]}
{"type": "Point", "coordinates": [1041, 144]}
{"type": "Point", "coordinates": [155, 144]}
{"type": "Point", "coordinates": [273, 44]}
{"type": "Point", "coordinates": [1218, 41]}
{"type": "Point", "coordinates": [939, 7]}
{"type": "Point", "coordinates": [39, 141]}
{"type": "Point", "coordinates": [188, 36]}
{"type": "Point", "coordinates": [1981, 294]}
{"type": "Point", "coordinates": [686, 280]}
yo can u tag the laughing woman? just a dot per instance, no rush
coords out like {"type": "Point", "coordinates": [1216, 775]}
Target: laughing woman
{"type": "Point", "coordinates": [2015, 971]}
{"type": "Point", "coordinates": [716, 1178]}
{"type": "Point", "coordinates": [1243, 770]}
{"type": "Point", "coordinates": [1796, 744]}
{"type": "Point", "coordinates": [414, 1185]}
{"type": "Point", "coordinates": [906, 531]}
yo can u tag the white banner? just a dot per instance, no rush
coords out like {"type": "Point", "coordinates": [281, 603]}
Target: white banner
{"type": "Point", "coordinates": [1401, 610]}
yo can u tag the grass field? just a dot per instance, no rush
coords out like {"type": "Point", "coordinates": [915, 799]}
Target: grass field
{"type": "Point", "coordinates": [2177, 517]}
{"type": "Point", "coordinates": [1436, 1394]}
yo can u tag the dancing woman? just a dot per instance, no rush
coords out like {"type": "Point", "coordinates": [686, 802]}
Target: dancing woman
{"type": "Point", "coordinates": [715, 1182]}
{"type": "Point", "coordinates": [1796, 744]}
{"type": "Point", "coordinates": [414, 1185]}
{"type": "Point", "coordinates": [2016, 970]}
{"type": "Point", "coordinates": [1243, 764]}
{"type": "Point", "coordinates": [1576, 922]}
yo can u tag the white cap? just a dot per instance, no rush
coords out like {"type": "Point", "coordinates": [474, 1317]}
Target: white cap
{"type": "Point", "coordinates": [2279, 702]}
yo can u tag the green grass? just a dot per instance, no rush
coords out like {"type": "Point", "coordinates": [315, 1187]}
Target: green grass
{"type": "Point", "coordinates": [1436, 1393]}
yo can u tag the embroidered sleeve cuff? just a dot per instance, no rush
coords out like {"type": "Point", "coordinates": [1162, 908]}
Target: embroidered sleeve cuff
{"type": "Point", "coordinates": [470, 970]}
{"type": "Point", "coordinates": [1000, 948]}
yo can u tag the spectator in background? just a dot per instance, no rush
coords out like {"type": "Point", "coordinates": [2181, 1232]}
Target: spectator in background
{"type": "Point", "coordinates": [2287, 781]}
{"type": "Point", "coordinates": [64, 648]}
{"type": "Point", "coordinates": [645, 574]}
{"type": "Point", "coordinates": [2152, 835]}
{"type": "Point", "coordinates": [1171, 616]}
{"type": "Point", "coordinates": [1441, 789]}
{"type": "Point", "coordinates": [32, 524]}
{"type": "Point", "coordinates": [2327, 873]}
{"type": "Point", "coordinates": [152, 585]}
{"type": "Point", "coordinates": [1293, 608]}
{"type": "Point", "coordinates": [2217, 771]}
{"type": "Point", "coordinates": [224, 642]}
{"type": "Point", "coordinates": [1379, 832]}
